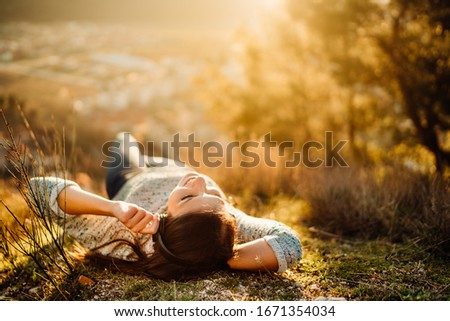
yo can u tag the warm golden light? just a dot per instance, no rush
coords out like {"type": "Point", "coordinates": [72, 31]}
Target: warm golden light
{"type": "Point", "coordinates": [332, 116]}
{"type": "Point", "coordinates": [271, 4]}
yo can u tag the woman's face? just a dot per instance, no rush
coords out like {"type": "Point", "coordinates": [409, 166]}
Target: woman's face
{"type": "Point", "coordinates": [192, 195]}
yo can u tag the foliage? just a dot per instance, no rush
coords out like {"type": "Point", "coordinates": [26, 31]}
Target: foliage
{"type": "Point", "coordinates": [374, 72]}
{"type": "Point", "coordinates": [400, 48]}
{"type": "Point", "coordinates": [383, 202]}
{"type": "Point", "coordinates": [33, 235]}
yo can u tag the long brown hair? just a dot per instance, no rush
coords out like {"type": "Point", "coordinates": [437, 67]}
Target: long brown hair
{"type": "Point", "coordinates": [205, 240]}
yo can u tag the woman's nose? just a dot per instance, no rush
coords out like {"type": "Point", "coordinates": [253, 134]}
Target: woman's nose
{"type": "Point", "coordinates": [199, 183]}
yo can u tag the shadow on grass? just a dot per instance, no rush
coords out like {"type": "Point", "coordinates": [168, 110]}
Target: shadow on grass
{"type": "Point", "coordinates": [24, 283]}
{"type": "Point", "coordinates": [220, 286]}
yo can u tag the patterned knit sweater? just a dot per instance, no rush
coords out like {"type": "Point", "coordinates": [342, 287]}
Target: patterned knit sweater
{"type": "Point", "coordinates": [151, 191]}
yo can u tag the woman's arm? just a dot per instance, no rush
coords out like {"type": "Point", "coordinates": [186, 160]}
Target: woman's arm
{"type": "Point", "coordinates": [265, 244]}
{"type": "Point", "coordinates": [66, 197]}
{"type": "Point", "coordinates": [255, 255]}
{"type": "Point", "coordinates": [74, 200]}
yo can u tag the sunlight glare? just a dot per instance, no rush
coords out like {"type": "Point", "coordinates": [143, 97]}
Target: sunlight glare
{"type": "Point", "coordinates": [270, 4]}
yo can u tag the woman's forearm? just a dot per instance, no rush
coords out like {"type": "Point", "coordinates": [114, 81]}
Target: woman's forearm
{"type": "Point", "coordinates": [256, 255]}
{"type": "Point", "coordinates": [73, 200]}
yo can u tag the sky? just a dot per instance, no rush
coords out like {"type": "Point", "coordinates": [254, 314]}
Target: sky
{"type": "Point", "coordinates": [190, 14]}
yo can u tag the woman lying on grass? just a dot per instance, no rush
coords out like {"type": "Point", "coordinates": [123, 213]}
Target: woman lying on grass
{"type": "Point", "coordinates": [165, 220]}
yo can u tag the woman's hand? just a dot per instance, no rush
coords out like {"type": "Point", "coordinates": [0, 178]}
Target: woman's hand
{"type": "Point", "coordinates": [135, 218]}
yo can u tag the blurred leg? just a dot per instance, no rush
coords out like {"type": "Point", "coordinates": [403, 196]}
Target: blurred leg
{"type": "Point", "coordinates": [127, 163]}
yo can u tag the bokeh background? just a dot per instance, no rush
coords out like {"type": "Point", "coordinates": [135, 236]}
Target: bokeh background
{"type": "Point", "coordinates": [375, 73]}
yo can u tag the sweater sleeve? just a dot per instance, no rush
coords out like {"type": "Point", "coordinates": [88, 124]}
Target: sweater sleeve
{"type": "Point", "coordinates": [283, 240]}
{"type": "Point", "coordinates": [47, 189]}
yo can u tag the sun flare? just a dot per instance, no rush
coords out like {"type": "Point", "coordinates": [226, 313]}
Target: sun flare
{"type": "Point", "coordinates": [271, 3]}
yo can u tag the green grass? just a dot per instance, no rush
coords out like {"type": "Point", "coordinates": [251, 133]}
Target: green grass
{"type": "Point", "coordinates": [376, 270]}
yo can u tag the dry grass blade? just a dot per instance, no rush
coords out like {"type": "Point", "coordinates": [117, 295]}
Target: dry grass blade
{"type": "Point", "coordinates": [35, 236]}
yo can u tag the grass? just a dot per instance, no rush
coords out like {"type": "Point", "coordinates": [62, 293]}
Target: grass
{"type": "Point", "coordinates": [332, 266]}
{"type": "Point", "coordinates": [377, 270]}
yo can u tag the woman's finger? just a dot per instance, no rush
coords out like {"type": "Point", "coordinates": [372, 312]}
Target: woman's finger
{"type": "Point", "coordinates": [145, 220]}
{"type": "Point", "coordinates": [152, 227]}
{"type": "Point", "coordinates": [135, 219]}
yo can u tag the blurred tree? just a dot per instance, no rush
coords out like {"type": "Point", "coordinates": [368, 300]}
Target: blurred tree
{"type": "Point", "coordinates": [337, 28]}
{"type": "Point", "coordinates": [376, 71]}
{"type": "Point", "coordinates": [272, 83]}
{"type": "Point", "coordinates": [418, 47]}
{"type": "Point", "coordinates": [398, 46]}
